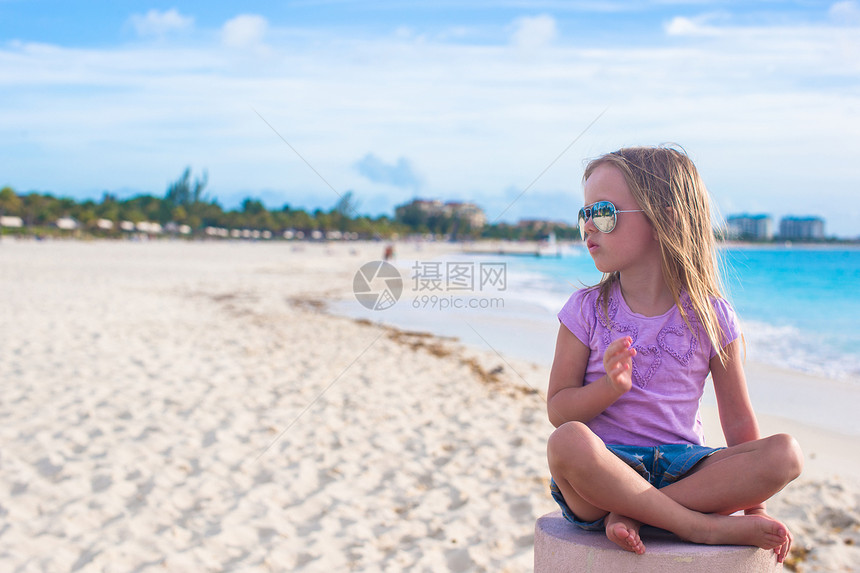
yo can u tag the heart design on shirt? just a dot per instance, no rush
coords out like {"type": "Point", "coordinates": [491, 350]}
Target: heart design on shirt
{"type": "Point", "coordinates": [611, 326]}
{"type": "Point", "coordinates": [631, 329]}
{"type": "Point", "coordinates": [679, 335]}
{"type": "Point", "coordinates": [611, 311]}
{"type": "Point", "coordinates": [642, 354]}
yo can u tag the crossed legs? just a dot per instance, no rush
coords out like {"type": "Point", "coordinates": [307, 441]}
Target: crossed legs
{"type": "Point", "coordinates": [595, 484]}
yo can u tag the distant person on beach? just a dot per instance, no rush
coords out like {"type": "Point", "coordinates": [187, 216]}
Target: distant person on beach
{"type": "Point", "coordinates": [631, 360]}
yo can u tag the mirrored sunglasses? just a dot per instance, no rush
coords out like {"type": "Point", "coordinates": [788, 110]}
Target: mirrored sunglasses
{"type": "Point", "coordinates": [603, 214]}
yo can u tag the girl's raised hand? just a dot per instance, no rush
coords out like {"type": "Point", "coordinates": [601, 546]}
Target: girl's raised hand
{"type": "Point", "coordinates": [618, 362]}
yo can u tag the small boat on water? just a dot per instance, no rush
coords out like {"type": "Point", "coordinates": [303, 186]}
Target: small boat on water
{"type": "Point", "coordinates": [548, 247]}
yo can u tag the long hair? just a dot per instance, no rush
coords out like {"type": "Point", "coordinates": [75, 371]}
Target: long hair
{"type": "Point", "coordinates": [667, 187]}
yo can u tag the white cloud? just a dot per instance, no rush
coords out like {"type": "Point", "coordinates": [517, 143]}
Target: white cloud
{"type": "Point", "coordinates": [534, 31]}
{"type": "Point", "coordinates": [845, 13]}
{"type": "Point", "coordinates": [244, 31]}
{"type": "Point", "coordinates": [698, 26]}
{"type": "Point", "coordinates": [155, 23]}
{"type": "Point", "coordinates": [400, 174]}
{"type": "Point", "coordinates": [681, 26]}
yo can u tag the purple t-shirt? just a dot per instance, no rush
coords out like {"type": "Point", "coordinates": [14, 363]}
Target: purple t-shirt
{"type": "Point", "coordinates": [669, 368]}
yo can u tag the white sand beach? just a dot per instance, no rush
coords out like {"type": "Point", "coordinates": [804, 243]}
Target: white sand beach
{"type": "Point", "coordinates": [176, 406]}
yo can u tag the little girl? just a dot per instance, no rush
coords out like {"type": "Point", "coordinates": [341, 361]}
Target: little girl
{"type": "Point", "coordinates": [630, 365]}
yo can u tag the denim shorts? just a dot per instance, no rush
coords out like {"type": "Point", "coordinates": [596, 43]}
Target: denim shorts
{"type": "Point", "coordinates": [659, 465]}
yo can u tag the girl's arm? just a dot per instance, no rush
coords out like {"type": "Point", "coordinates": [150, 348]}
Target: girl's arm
{"type": "Point", "coordinates": [737, 417]}
{"type": "Point", "coordinates": [567, 398]}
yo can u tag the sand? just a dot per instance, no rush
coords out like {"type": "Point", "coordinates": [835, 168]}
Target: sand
{"type": "Point", "coordinates": [173, 406]}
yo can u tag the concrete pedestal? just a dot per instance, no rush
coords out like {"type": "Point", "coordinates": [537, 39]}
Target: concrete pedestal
{"type": "Point", "coordinates": [562, 548]}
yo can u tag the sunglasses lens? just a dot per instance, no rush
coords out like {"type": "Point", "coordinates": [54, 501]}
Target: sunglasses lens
{"type": "Point", "coordinates": [582, 220]}
{"type": "Point", "coordinates": [603, 215]}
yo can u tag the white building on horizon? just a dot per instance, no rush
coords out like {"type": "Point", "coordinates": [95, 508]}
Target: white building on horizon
{"type": "Point", "coordinates": [750, 227]}
{"type": "Point", "coordinates": [802, 228]}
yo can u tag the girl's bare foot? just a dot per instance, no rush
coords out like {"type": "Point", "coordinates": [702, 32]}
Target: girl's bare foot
{"type": "Point", "coordinates": [624, 532]}
{"type": "Point", "coordinates": [758, 530]}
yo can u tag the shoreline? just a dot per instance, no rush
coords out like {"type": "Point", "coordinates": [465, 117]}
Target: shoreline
{"type": "Point", "coordinates": [191, 407]}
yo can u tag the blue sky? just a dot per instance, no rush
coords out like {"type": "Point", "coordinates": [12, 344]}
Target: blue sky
{"type": "Point", "coordinates": [453, 100]}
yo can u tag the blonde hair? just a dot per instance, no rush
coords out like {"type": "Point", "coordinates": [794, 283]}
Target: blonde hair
{"type": "Point", "coordinates": [667, 187]}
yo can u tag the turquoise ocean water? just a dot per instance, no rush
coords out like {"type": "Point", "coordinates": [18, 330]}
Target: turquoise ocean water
{"type": "Point", "coordinates": [799, 306]}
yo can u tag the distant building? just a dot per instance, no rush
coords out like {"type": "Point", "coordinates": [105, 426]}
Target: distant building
{"type": "Point", "coordinates": [149, 227]}
{"type": "Point", "coordinates": [468, 211]}
{"type": "Point", "coordinates": [10, 221]}
{"type": "Point", "coordinates": [66, 224]}
{"type": "Point", "coordinates": [802, 228]}
{"type": "Point", "coordinates": [174, 227]}
{"type": "Point", "coordinates": [541, 224]}
{"type": "Point", "coordinates": [429, 206]}
{"type": "Point", "coordinates": [750, 227]}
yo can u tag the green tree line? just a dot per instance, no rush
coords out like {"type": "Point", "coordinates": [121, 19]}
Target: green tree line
{"type": "Point", "coordinates": [186, 203]}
